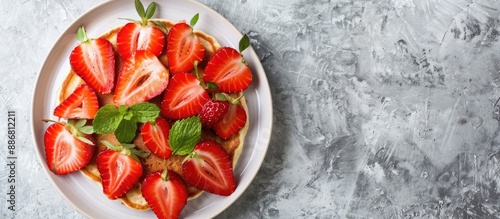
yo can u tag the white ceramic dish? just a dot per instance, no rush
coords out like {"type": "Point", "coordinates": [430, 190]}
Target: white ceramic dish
{"type": "Point", "coordinates": [87, 196]}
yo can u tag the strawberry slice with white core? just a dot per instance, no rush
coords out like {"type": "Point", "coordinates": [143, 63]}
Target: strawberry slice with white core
{"type": "Point", "coordinates": [210, 169]}
{"type": "Point", "coordinates": [155, 137]}
{"type": "Point", "coordinates": [94, 61]}
{"type": "Point", "coordinates": [183, 48]}
{"type": "Point", "coordinates": [120, 169]}
{"type": "Point", "coordinates": [67, 149]}
{"type": "Point", "coordinates": [232, 122]}
{"type": "Point", "coordinates": [228, 70]}
{"type": "Point", "coordinates": [82, 104]}
{"type": "Point", "coordinates": [133, 37]}
{"type": "Point", "coordinates": [166, 193]}
{"type": "Point", "coordinates": [184, 97]}
{"type": "Point", "coordinates": [140, 35]}
{"type": "Point", "coordinates": [143, 77]}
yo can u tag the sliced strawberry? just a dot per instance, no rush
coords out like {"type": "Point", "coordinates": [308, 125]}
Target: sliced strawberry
{"type": "Point", "coordinates": [134, 36]}
{"type": "Point", "coordinates": [233, 121]}
{"type": "Point", "coordinates": [212, 112]}
{"type": "Point", "coordinates": [183, 48]}
{"type": "Point", "coordinates": [228, 70]}
{"type": "Point", "coordinates": [143, 77]}
{"type": "Point", "coordinates": [94, 61]}
{"type": "Point", "coordinates": [81, 104]}
{"type": "Point", "coordinates": [210, 169]}
{"type": "Point", "coordinates": [67, 149]}
{"type": "Point", "coordinates": [155, 137]}
{"type": "Point", "coordinates": [184, 97]}
{"type": "Point", "coordinates": [166, 193]}
{"type": "Point", "coordinates": [120, 169]}
{"type": "Point", "coordinates": [140, 35]}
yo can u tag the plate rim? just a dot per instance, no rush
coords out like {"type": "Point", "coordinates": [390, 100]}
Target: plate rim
{"type": "Point", "coordinates": [257, 64]}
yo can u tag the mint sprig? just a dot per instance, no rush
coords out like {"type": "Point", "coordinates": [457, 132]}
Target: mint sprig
{"type": "Point", "coordinates": [123, 120]}
{"type": "Point", "coordinates": [184, 135]}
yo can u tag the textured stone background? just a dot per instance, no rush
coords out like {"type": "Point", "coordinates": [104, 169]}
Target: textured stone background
{"type": "Point", "coordinates": [383, 109]}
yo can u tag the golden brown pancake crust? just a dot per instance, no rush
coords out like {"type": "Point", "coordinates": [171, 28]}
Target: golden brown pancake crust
{"type": "Point", "coordinates": [133, 198]}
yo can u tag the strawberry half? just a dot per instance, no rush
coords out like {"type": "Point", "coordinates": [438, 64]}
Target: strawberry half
{"type": "Point", "coordinates": [210, 169]}
{"type": "Point", "coordinates": [143, 77]}
{"type": "Point", "coordinates": [94, 61]}
{"type": "Point", "coordinates": [228, 70]}
{"type": "Point", "coordinates": [183, 47]}
{"type": "Point", "coordinates": [212, 112]}
{"type": "Point", "coordinates": [120, 168]}
{"type": "Point", "coordinates": [184, 97]}
{"type": "Point", "coordinates": [155, 137]}
{"type": "Point", "coordinates": [233, 121]}
{"type": "Point", "coordinates": [166, 193]}
{"type": "Point", "coordinates": [140, 35]}
{"type": "Point", "coordinates": [81, 104]}
{"type": "Point", "coordinates": [67, 148]}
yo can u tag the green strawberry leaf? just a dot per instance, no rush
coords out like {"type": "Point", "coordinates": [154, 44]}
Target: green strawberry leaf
{"type": "Point", "coordinates": [194, 20]}
{"type": "Point", "coordinates": [80, 123]}
{"type": "Point", "coordinates": [184, 135]}
{"type": "Point", "coordinates": [145, 112]}
{"type": "Point", "coordinates": [110, 145]}
{"type": "Point", "coordinates": [140, 9]}
{"type": "Point", "coordinates": [81, 35]}
{"type": "Point", "coordinates": [87, 130]}
{"type": "Point", "coordinates": [126, 131]}
{"type": "Point", "coordinates": [150, 11]}
{"type": "Point", "coordinates": [107, 119]}
{"type": "Point", "coordinates": [85, 140]}
{"type": "Point", "coordinates": [244, 43]}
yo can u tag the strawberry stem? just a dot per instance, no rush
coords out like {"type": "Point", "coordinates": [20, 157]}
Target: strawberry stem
{"type": "Point", "coordinates": [164, 174]}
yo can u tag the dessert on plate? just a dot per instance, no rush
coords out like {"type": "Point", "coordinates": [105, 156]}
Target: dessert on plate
{"type": "Point", "coordinates": [153, 110]}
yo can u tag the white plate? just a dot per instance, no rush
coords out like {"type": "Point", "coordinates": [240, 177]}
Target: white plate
{"type": "Point", "coordinates": [86, 195]}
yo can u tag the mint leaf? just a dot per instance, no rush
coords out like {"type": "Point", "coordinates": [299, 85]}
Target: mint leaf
{"type": "Point", "coordinates": [184, 135]}
{"type": "Point", "coordinates": [107, 119]}
{"type": "Point", "coordinates": [145, 112]}
{"type": "Point", "coordinates": [126, 131]}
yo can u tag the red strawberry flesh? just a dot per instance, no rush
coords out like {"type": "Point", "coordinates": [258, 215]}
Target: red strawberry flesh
{"type": "Point", "coordinates": [133, 37]}
{"type": "Point", "coordinates": [143, 77]}
{"type": "Point", "coordinates": [155, 137]}
{"type": "Point", "coordinates": [119, 172]}
{"type": "Point", "coordinates": [166, 197]}
{"type": "Point", "coordinates": [233, 121]}
{"type": "Point", "coordinates": [65, 153]}
{"type": "Point", "coordinates": [94, 62]}
{"type": "Point", "coordinates": [183, 48]}
{"type": "Point", "coordinates": [184, 97]}
{"type": "Point", "coordinates": [210, 169]}
{"type": "Point", "coordinates": [82, 103]}
{"type": "Point", "coordinates": [228, 70]}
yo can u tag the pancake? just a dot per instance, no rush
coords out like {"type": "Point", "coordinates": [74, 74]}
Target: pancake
{"type": "Point", "coordinates": [133, 198]}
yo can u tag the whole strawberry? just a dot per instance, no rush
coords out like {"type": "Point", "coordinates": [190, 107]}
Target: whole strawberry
{"type": "Point", "coordinates": [212, 112]}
